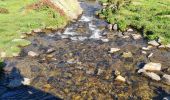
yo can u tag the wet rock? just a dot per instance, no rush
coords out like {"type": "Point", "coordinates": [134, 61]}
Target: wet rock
{"type": "Point", "coordinates": [2, 90]}
{"type": "Point", "coordinates": [153, 43]}
{"type": "Point", "coordinates": [14, 83]}
{"type": "Point", "coordinates": [113, 50]}
{"type": "Point", "coordinates": [136, 36]}
{"type": "Point", "coordinates": [115, 27]}
{"type": "Point", "coordinates": [147, 48]}
{"type": "Point", "coordinates": [110, 26]}
{"type": "Point", "coordinates": [26, 81]}
{"type": "Point", "coordinates": [166, 79]}
{"type": "Point", "coordinates": [120, 78]}
{"type": "Point", "coordinates": [152, 66]}
{"type": "Point", "coordinates": [150, 55]}
{"type": "Point", "coordinates": [32, 54]}
{"type": "Point", "coordinates": [127, 54]}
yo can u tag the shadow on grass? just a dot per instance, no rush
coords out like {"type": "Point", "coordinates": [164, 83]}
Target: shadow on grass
{"type": "Point", "coordinates": [17, 91]}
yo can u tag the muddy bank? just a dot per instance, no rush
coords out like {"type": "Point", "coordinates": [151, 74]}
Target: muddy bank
{"type": "Point", "coordinates": [76, 63]}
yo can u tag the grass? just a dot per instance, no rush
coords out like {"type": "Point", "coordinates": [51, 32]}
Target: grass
{"type": "Point", "coordinates": [15, 19]}
{"type": "Point", "coordinates": [151, 17]}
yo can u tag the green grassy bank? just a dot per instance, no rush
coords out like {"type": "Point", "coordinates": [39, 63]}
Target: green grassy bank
{"type": "Point", "coordinates": [151, 17]}
{"type": "Point", "coordinates": [16, 18]}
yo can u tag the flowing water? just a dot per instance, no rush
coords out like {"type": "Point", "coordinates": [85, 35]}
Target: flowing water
{"type": "Point", "coordinates": [74, 63]}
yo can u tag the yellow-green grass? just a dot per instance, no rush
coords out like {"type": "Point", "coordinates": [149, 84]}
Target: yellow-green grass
{"type": "Point", "coordinates": [151, 17]}
{"type": "Point", "coordinates": [19, 20]}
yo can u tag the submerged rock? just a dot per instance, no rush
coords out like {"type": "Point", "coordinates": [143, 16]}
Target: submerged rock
{"type": "Point", "coordinates": [152, 66]}
{"type": "Point", "coordinates": [14, 83]}
{"type": "Point", "coordinates": [153, 43]}
{"type": "Point", "coordinates": [166, 79]}
{"type": "Point", "coordinates": [113, 50]}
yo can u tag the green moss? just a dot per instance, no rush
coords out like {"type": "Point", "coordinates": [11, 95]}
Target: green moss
{"type": "Point", "coordinates": [19, 19]}
{"type": "Point", "coordinates": [152, 17]}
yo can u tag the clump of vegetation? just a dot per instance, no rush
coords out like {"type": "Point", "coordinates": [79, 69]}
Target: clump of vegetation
{"type": "Point", "coordinates": [151, 17]}
{"type": "Point", "coordinates": [21, 19]}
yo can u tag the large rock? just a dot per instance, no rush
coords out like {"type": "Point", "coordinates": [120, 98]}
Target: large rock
{"type": "Point", "coordinates": [71, 8]}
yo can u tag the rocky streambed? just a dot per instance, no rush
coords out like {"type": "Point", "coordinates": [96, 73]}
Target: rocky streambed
{"type": "Point", "coordinates": [87, 61]}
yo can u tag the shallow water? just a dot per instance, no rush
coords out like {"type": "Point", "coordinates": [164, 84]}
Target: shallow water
{"type": "Point", "coordinates": [80, 66]}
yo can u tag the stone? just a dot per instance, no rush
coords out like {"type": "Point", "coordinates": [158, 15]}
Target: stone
{"type": "Point", "coordinates": [130, 30]}
{"type": "Point", "coordinates": [153, 43]}
{"type": "Point", "coordinates": [166, 79]}
{"type": "Point", "coordinates": [147, 48]}
{"type": "Point", "coordinates": [100, 71]}
{"type": "Point", "coordinates": [32, 54]}
{"type": "Point", "coordinates": [152, 66]}
{"type": "Point", "coordinates": [136, 36]}
{"type": "Point", "coordinates": [150, 55]}
{"type": "Point", "coordinates": [104, 4]}
{"type": "Point", "coordinates": [115, 27]}
{"type": "Point", "coordinates": [109, 26]}
{"type": "Point", "coordinates": [26, 81]}
{"type": "Point", "coordinates": [120, 78]}
{"type": "Point", "coordinates": [127, 54]}
{"type": "Point", "coordinates": [153, 76]}
{"type": "Point", "coordinates": [113, 50]}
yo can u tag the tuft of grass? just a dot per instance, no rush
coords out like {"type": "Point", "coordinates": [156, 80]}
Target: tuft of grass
{"type": "Point", "coordinates": [152, 17]}
{"type": "Point", "coordinates": [16, 19]}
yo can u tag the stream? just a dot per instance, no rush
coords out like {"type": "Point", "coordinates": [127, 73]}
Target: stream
{"type": "Point", "coordinates": [74, 63]}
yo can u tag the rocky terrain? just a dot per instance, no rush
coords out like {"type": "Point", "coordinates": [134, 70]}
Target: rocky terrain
{"type": "Point", "coordinates": [86, 60]}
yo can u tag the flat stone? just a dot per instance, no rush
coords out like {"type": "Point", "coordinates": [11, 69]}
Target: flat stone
{"type": "Point", "coordinates": [152, 66]}
{"type": "Point", "coordinates": [50, 50]}
{"type": "Point", "coordinates": [37, 30]}
{"type": "Point", "coordinates": [32, 54]}
{"type": "Point", "coordinates": [166, 79]}
{"type": "Point", "coordinates": [136, 36]}
{"type": "Point", "coordinates": [144, 52]}
{"type": "Point", "coordinates": [115, 27]}
{"type": "Point", "coordinates": [113, 50]}
{"type": "Point", "coordinates": [162, 46]}
{"type": "Point", "coordinates": [120, 78]}
{"type": "Point", "coordinates": [127, 54]}
{"type": "Point", "coordinates": [105, 40]}
{"type": "Point", "coordinates": [147, 48]}
{"type": "Point", "coordinates": [153, 43]}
